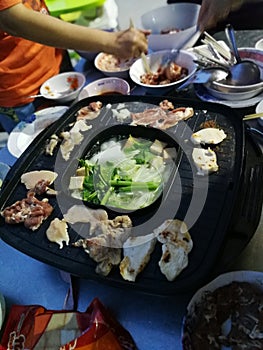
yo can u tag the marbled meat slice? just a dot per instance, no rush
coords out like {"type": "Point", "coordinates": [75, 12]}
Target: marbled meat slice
{"type": "Point", "coordinates": [162, 118]}
{"type": "Point", "coordinates": [30, 211]}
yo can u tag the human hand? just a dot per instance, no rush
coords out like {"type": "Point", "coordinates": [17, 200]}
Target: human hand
{"type": "Point", "coordinates": [130, 43]}
{"type": "Point", "coordinates": [213, 11]}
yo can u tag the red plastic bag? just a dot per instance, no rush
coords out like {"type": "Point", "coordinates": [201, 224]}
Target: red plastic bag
{"type": "Point", "coordinates": [34, 327]}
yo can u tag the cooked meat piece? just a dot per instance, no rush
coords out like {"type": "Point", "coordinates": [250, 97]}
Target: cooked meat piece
{"type": "Point", "coordinates": [51, 145]}
{"type": "Point", "coordinates": [137, 252]}
{"type": "Point", "coordinates": [166, 105]}
{"type": "Point", "coordinates": [90, 112]}
{"type": "Point", "coordinates": [72, 138]}
{"type": "Point", "coordinates": [149, 116]}
{"type": "Point", "coordinates": [210, 136]}
{"type": "Point", "coordinates": [31, 211]}
{"type": "Point", "coordinates": [106, 248]}
{"type": "Point", "coordinates": [58, 232]}
{"type": "Point", "coordinates": [80, 213]}
{"type": "Point", "coordinates": [205, 161]}
{"type": "Point", "coordinates": [159, 118]}
{"type": "Point", "coordinates": [33, 178]}
{"type": "Point", "coordinates": [176, 245]}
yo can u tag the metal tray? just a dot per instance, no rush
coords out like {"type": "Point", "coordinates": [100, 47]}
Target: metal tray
{"type": "Point", "coordinates": [205, 203]}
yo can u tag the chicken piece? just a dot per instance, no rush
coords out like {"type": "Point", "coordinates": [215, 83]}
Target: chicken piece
{"type": "Point", "coordinates": [58, 232]}
{"type": "Point", "coordinates": [72, 138]}
{"type": "Point", "coordinates": [174, 259]}
{"type": "Point", "coordinates": [137, 252]}
{"type": "Point", "coordinates": [176, 245]}
{"type": "Point", "coordinates": [205, 161]}
{"type": "Point", "coordinates": [106, 248]}
{"type": "Point", "coordinates": [211, 136]}
{"type": "Point", "coordinates": [32, 178]}
{"type": "Point", "coordinates": [51, 145]}
{"type": "Point", "coordinates": [80, 213]}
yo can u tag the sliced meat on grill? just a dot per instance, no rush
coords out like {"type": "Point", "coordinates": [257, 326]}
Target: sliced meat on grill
{"type": "Point", "coordinates": [161, 118]}
{"type": "Point", "coordinates": [30, 211]}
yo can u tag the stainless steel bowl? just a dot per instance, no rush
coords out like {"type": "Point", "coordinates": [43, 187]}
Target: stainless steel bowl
{"type": "Point", "coordinates": [225, 91]}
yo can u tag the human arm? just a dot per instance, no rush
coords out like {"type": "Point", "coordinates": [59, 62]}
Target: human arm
{"type": "Point", "coordinates": [21, 21]}
{"type": "Point", "coordinates": [214, 11]}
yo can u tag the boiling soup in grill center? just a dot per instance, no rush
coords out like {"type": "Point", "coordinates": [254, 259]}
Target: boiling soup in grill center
{"type": "Point", "coordinates": [127, 173]}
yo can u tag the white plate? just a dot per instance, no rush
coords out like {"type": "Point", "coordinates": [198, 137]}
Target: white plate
{"type": "Point", "coordinates": [24, 133]}
{"type": "Point", "coordinates": [2, 310]}
{"type": "Point", "coordinates": [253, 277]}
{"type": "Point", "coordinates": [259, 44]}
{"type": "Point", "coordinates": [204, 95]}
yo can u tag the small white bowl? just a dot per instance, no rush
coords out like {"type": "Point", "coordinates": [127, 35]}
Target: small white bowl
{"type": "Point", "coordinates": [181, 16]}
{"type": "Point", "coordinates": [183, 59]}
{"type": "Point", "coordinates": [71, 82]}
{"type": "Point", "coordinates": [105, 86]}
{"type": "Point", "coordinates": [113, 66]}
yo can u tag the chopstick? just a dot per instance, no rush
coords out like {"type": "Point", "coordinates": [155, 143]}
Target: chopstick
{"type": "Point", "coordinates": [253, 116]}
{"type": "Point", "coordinates": [223, 52]}
{"type": "Point", "coordinates": [145, 63]}
{"type": "Point", "coordinates": [143, 56]}
{"type": "Point", "coordinates": [202, 53]}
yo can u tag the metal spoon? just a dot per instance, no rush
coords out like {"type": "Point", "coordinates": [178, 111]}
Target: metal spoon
{"type": "Point", "coordinates": [55, 94]}
{"type": "Point", "coordinates": [205, 75]}
{"type": "Point", "coordinates": [244, 72]}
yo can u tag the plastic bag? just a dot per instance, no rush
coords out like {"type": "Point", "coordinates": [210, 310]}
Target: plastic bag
{"type": "Point", "coordinates": [34, 327]}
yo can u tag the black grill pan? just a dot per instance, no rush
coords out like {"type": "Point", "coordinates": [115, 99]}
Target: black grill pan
{"type": "Point", "coordinates": [211, 199]}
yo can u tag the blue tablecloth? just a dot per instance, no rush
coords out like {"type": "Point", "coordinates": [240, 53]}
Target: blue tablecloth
{"type": "Point", "coordinates": [154, 321]}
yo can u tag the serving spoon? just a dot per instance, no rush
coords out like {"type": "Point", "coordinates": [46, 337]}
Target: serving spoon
{"type": "Point", "coordinates": [243, 72]}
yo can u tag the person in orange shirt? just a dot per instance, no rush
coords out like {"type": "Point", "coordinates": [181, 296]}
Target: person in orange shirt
{"type": "Point", "coordinates": [33, 45]}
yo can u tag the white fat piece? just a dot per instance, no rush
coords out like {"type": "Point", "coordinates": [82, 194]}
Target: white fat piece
{"type": "Point", "coordinates": [205, 161]}
{"type": "Point", "coordinates": [58, 232]}
{"type": "Point", "coordinates": [31, 178]}
{"type": "Point", "coordinates": [209, 136]}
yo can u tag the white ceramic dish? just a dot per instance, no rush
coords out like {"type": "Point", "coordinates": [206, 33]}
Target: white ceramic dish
{"type": "Point", "coordinates": [105, 86]}
{"type": "Point", "coordinates": [259, 44]}
{"type": "Point", "coordinates": [113, 66]}
{"type": "Point", "coordinates": [181, 16]}
{"type": "Point", "coordinates": [24, 133]}
{"type": "Point", "coordinates": [253, 277]}
{"type": "Point", "coordinates": [184, 59]}
{"type": "Point", "coordinates": [72, 82]}
{"type": "Point", "coordinates": [225, 91]}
